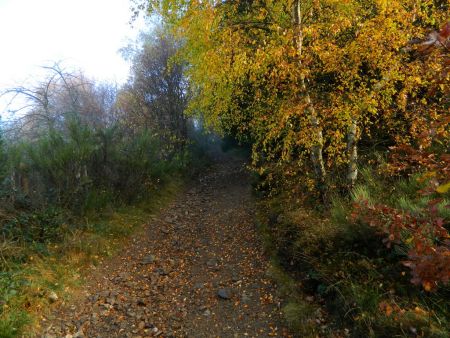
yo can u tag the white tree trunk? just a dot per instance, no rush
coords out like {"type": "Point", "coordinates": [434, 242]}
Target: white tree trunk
{"type": "Point", "coordinates": [352, 151]}
{"type": "Point", "coordinates": [317, 148]}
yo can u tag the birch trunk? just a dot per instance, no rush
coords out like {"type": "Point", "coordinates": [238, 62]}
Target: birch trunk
{"type": "Point", "coordinates": [352, 150]}
{"type": "Point", "coordinates": [13, 187]}
{"type": "Point", "coordinates": [317, 148]}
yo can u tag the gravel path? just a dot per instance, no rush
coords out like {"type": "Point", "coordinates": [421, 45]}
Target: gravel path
{"type": "Point", "coordinates": [197, 270]}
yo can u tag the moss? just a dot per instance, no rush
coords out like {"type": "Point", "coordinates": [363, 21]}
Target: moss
{"type": "Point", "coordinates": [300, 316]}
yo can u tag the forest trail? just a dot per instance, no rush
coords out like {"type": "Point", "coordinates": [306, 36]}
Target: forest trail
{"type": "Point", "coordinates": [197, 270]}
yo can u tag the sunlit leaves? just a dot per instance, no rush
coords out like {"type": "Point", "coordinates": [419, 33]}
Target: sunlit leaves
{"type": "Point", "coordinates": [360, 60]}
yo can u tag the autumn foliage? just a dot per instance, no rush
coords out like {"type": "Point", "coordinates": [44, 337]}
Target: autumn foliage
{"type": "Point", "coordinates": [425, 236]}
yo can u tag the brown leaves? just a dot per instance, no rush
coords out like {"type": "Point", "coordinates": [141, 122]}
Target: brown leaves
{"type": "Point", "coordinates": [436, 39]}
{"type": "Point", "coordinates": [428, 240]}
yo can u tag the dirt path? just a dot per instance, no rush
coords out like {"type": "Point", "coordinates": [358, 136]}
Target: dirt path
{"type": "Point", "coordinates": [197, 271]}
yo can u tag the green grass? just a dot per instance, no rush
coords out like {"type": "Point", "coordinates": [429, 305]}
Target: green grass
{"type": "Point", "coordinates": [300, 317]}
{"type": "Point", "coordinates": [11, 325]}
{"type": "Point", "coordinates": [299, 314]}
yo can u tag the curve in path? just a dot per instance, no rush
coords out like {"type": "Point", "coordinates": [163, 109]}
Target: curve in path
{"type": "Point", "coordinates": [198, 270]}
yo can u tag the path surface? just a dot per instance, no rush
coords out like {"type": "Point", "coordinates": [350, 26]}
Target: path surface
{"type": "Point", "coordinates": [198, 270]}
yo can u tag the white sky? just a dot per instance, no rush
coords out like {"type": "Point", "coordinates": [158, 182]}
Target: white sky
{"type": "Point", "coordinates": [84, 34]}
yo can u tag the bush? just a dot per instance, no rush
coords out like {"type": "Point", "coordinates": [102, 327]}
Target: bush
{"type": "Point", "coordinates": [68, 167]}
{"type": "Point", "coordinates": [39, 226]}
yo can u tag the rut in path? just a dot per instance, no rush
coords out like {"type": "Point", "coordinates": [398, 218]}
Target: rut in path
{"type": "Point", "coordinates": [198, 270]}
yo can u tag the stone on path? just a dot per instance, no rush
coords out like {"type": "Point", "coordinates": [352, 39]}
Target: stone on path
{"type": "Point", "coordinates": [224, 294]}
{"type": "Point", "coordinates": [52, 297]}
{"type": "Point", "coordinates": [149, 259]}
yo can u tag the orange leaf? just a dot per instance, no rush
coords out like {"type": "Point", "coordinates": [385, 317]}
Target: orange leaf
{"type": "Point", "coordinates": [427, 286]}
{"type": "Point", "coordinates": [388, 310]}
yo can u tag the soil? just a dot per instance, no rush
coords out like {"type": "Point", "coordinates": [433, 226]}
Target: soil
{"type": "Point", "coordinates": [196, 270]}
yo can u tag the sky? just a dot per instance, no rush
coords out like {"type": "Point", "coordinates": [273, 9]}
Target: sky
{"type": "Point", "coordinates": [83, 34]}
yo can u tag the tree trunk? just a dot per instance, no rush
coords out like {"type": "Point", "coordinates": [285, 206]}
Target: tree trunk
{"type": "Point", "coordinates": [13, 187]}
{"type": "Point", "coordinates": [317, 148]}
{"type": "Point", "coordinates": [352, 150]}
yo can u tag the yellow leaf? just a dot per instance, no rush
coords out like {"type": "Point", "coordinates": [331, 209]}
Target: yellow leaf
{"type": "Point", "coordinates": [427, 287]}
{"type": "Point", "coordinates": [442, 189]}
{"type": "Point", "coordinates": [420, 311]}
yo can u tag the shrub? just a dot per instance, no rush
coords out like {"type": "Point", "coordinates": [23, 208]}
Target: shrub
{"type": "Point", "coordinates": [364, 285]}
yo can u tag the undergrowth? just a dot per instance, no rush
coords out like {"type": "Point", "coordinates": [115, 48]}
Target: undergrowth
{"type": "Point", "coordinates": [327, 260]}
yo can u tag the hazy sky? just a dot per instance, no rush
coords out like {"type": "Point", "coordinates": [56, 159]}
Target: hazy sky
{"type": "Point", "coordinates": [84, 34]}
